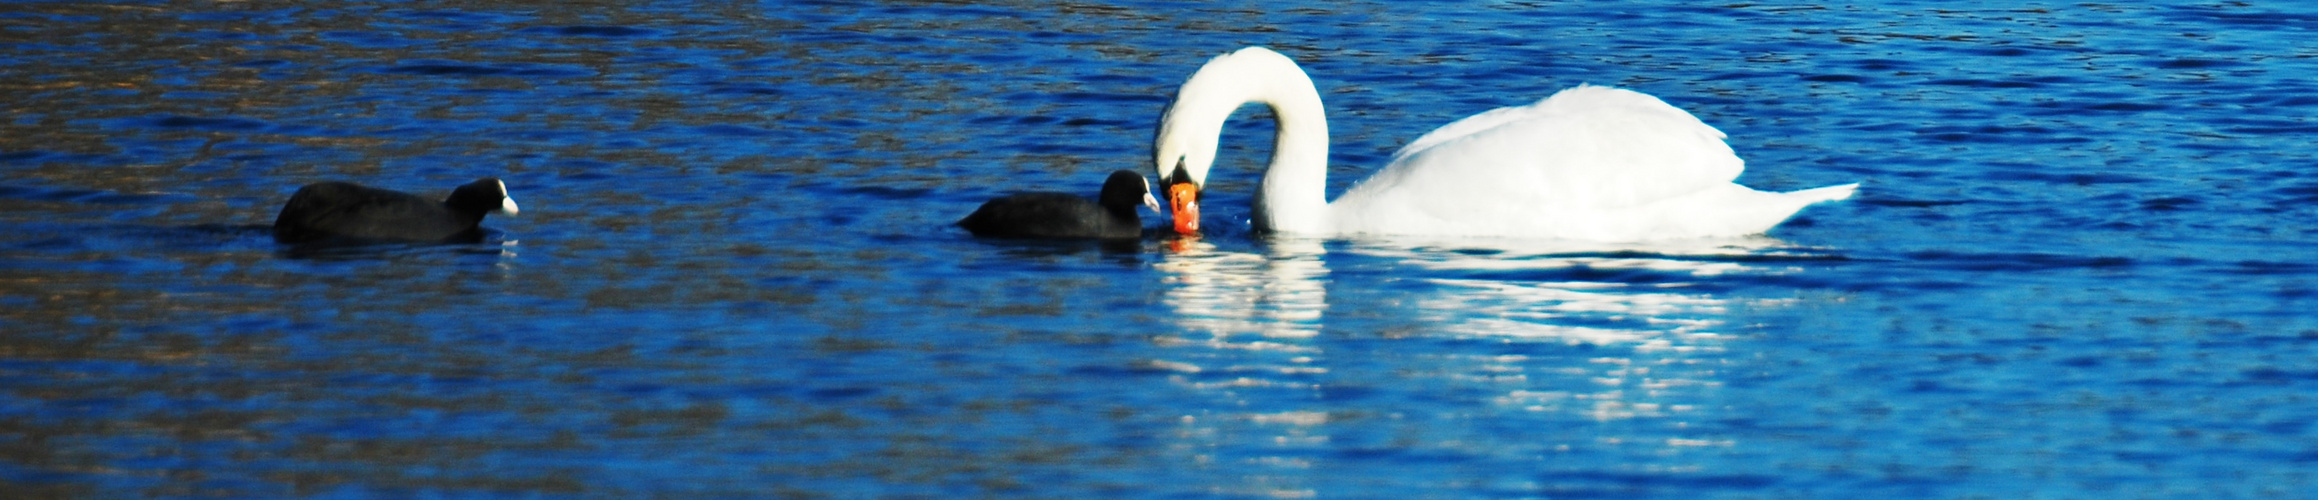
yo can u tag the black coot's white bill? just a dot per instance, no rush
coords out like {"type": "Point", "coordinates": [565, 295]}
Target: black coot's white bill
{"type": "Point", "coordinates": [344, 212]}
{"type": "Point", "coordinates": [1061, 215]}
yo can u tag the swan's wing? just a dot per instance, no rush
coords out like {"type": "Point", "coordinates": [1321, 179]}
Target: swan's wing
{"type": "Point", "coordinates": [1593, 147]}
{"type": "Point", "coordinates": [1465, 127]}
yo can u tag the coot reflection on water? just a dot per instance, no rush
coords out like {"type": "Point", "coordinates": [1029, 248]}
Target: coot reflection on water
{"type": "Point", "coordinates": [344, 212]}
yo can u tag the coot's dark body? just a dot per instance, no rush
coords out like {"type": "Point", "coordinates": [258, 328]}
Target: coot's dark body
{"type": "Point", "coordinates": [353, 213]}
{"type": "Point", "coordinates": [1060, 215]}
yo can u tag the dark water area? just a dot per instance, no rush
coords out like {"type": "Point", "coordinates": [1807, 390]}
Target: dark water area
{"type": "Point", "coordinates": [2080, 265]}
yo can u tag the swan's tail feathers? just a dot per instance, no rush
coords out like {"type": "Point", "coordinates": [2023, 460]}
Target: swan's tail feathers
{"type": "Point", "coordinates": [1829, 193]}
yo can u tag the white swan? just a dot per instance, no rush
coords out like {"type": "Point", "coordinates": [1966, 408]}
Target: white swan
{"type": "Point", "coordinates": [1588, 163]}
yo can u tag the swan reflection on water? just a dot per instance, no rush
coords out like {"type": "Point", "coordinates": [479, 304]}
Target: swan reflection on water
{"type": "Point", "coordinates": [1278, 294]}
{"type": "Point", "coordinates": [1578, 293]}
{"type": "Point", "coordinates": [1639, 342]}
{"type": "Point", "coordinates": [1619, 293]}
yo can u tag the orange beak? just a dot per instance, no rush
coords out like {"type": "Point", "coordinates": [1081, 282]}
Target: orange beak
{"type": "Point", "coordinates": [1183, 197]}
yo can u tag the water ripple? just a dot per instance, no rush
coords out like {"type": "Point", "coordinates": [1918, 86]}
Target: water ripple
{"type": "Point", "coordinates": [2078, 256]}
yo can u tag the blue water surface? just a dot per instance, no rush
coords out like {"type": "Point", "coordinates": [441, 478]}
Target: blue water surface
{"type": "Point", "coordinates": [2080, 264]}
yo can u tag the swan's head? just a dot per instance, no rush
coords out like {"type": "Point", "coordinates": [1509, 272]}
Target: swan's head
{"type": "Point", "coordinates": [1192, 125]}
{"type": "Point", "coordinates": [1183, 198]}
{"type": "Point", "coordinates": [1184, 150]}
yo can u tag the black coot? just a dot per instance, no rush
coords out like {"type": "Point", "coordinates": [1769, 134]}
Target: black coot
{"type": "Point", "coordinates": [1061, 215]}
{"type": "Point", "coordinates": [353, 213]}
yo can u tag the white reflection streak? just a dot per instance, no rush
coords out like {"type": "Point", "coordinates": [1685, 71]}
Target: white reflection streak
{"type": "Point", "coordinates": [1529, 311]}
{"type": "Point", "coordinates": [1265, 306]}
{"type": "Point", "coordinates": [1659, 326]}
{"type": "Point", "coordinates": [1279, 295]}
{"type": "Point", "coordinates": [1658, 335]}
{"type": "Point", "coordinates": [1574, 311]}
{"type": "Point", "coordinates": [1662, 333]}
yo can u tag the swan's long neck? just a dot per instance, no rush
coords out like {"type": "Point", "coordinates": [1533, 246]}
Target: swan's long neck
{"type": "Point", "coordinates": [1294, 194]}
{"type": "Point", "coordinates": [1293, 198]}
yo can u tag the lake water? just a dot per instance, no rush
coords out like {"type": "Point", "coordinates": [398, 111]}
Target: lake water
{"type": "Point", "coordinates": [2081, 263]}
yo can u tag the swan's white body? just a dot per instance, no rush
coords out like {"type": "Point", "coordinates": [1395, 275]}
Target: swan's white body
{"type": "Point", "coordinates": [1588, 163]}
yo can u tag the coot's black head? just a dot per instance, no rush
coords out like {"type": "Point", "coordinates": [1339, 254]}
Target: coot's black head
{"type": "Point", "coordinates": [484, 196]}
{"type": "Point", "coordinates": [1124, 190]}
